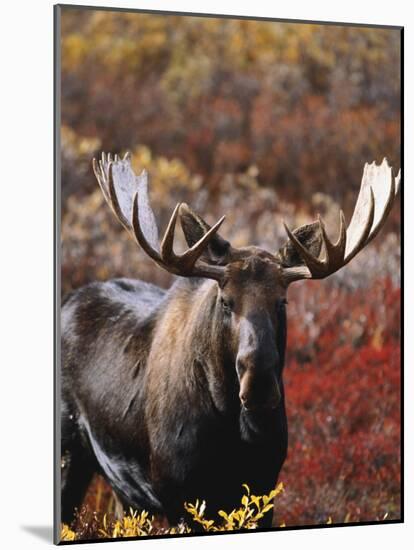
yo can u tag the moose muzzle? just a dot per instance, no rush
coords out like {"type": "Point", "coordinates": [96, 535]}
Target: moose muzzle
{"type": "Point", "coordinates": [257, 365]}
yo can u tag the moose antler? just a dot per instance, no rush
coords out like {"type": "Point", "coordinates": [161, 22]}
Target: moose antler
{"type": "Point", "coordinates": [127, 195]}
{"type": "Point", "coordinates": [375, 199]}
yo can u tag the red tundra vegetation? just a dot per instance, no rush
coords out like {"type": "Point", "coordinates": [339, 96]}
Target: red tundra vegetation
{"type": "Point", "coordinates": [343, 401]}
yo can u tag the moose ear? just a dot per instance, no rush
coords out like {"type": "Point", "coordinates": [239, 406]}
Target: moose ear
{"type": "Point", "coordinates": [194, 228]}
{"type": "Point", "coordinates": [310, 236]}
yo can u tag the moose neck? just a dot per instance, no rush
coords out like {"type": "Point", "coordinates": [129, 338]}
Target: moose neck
{"type": "Point", "coordinates": [207, 354]}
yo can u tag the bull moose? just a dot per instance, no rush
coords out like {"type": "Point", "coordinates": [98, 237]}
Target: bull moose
{"type": "Point", "coordinates": [177, 394]}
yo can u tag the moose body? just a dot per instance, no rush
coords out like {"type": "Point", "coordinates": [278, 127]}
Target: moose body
{"type": "Point", "coordinates": [163, 428]}
{"type": "Point", "coordinates": [177, 395]}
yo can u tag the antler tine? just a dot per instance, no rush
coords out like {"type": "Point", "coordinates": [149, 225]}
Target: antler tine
{"type": "Point", "coordinates": [362, 239]}
{"type": "Point", "coordinates": [104, 166]}
{"type": "Point", "coordinates": [394, 187]}
{"type": "Point", "coordinates": [397, 182]}
{"type": "Point", "coordinates": [191, 255]}
{"type": "Point", "coordinates": [335, 253]}
{"type": "Point", "coordinates": [167, 252]}
{"type": "Point", "coordinates": [97, 168]}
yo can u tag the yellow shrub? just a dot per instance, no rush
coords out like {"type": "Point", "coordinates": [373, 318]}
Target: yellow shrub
{"type": "Point", "coordinates": [138, 524]}
{"type": "Point", "coordinates": [252, 510]}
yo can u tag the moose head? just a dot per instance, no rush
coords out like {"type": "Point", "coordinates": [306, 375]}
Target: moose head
{"type": "Point", "coordinates": [251, 283]}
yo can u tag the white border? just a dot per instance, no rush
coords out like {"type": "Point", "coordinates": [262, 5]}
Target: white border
{"type": "Point", "coordinates": [26, 270]}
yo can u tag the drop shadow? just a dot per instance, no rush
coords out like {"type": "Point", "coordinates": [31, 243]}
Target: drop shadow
{"type": "Point", "coordinates": [43, 532]}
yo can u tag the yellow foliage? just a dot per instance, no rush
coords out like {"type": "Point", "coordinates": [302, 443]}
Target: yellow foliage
{"type": "Point", "coordinates": [66, 533]}
{"type": "Point", "coordinates": [253, 508]}
{"type": "Point", "coordinates": [132, 525]}
{"type": "Point", "coordinates": [140, 524]}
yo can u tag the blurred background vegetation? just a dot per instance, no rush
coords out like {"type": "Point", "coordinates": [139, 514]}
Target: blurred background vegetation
{"type": "Point", "coordinates": [261, 121]}
{"type": "Point", "coordinates": [224, 113]}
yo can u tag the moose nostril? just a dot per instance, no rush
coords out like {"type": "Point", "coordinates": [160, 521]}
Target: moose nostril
{"type": "Point", "coordinates": [243, 397]}
{"type": "Point", "coordinates": [247, 405]}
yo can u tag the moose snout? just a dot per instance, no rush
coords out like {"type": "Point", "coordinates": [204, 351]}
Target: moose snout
{"type": "Point", "coordinates": [259, 391]}
{"type": "Point", "coordinates": [257, 363]}
{"type": "Point", "coordinates": [251, 405]}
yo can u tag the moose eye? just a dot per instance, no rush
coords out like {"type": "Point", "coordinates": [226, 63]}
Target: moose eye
{"type": "Point", "coordinates": [227, 305]}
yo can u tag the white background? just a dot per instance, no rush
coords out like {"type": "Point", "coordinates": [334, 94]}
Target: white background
{"type": "Point", "coordinates": [26, 268]}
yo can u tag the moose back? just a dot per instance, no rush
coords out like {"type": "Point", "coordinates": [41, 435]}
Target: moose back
{"type": "Point", "coordinates": [178, 395]}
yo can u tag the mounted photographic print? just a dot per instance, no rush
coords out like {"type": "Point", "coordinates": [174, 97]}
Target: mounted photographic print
{"type": "Point", "coordinates": [228, 313]}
